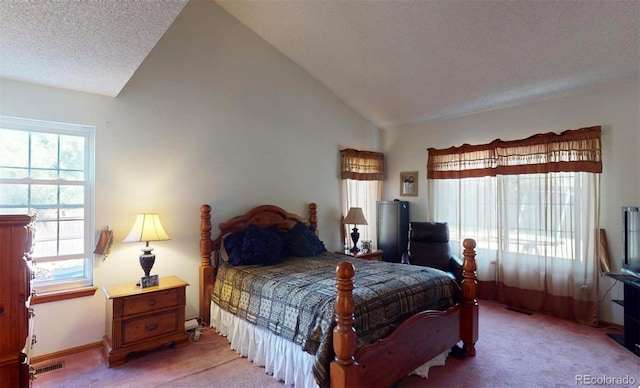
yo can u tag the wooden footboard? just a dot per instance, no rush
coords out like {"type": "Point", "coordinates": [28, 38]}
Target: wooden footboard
{"type": "Point", "coordinates": [416, 341]}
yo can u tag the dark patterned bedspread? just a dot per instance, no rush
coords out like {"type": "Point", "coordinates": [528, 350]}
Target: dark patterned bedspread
{"type": "Point", "coordinates": [295, 299]}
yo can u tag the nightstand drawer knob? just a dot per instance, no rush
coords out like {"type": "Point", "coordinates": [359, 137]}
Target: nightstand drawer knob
{"type": "Point", "coordinates": [151, 302]}
{"type": "Point", "coordinates": [151, 327]}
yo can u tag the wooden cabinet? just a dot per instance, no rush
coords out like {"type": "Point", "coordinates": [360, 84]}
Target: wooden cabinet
{"type": "Point", "coordinates": [16, 316]}
{"type": "Point", "coordinates": [139, 319]}
{"type": "Point", "coordinates": [375, 255]}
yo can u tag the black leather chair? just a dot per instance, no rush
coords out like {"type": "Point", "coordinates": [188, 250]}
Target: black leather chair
{"type": "Point", "coordinates": [429, 247]}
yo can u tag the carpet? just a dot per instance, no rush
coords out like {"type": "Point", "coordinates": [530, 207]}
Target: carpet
{"type": "Point", "coordinates": [514, 349]}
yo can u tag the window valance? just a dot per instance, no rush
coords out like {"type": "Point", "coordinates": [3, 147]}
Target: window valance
{"type": "Point", "coordinates": [571, 150]}
{"type": "Point", "coordinates": [362, 165]}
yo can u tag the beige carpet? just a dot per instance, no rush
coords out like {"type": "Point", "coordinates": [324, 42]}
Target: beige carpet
{"type": "Point", "coordinates": [206, 363]}
{"type": "Point", "coordinates": [514, 349]}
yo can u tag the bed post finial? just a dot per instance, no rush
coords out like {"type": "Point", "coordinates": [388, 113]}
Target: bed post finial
{"type": "Point", "coordinates": [344, 334]}
{"type": "Point", "coordinates": [313, 217]}
{"type": "Point", "coordinates": [469, 313]}
{"type": "Point", "coordinates": [207, 271]}
{"type": "Point", "coordinates": [205, 234]}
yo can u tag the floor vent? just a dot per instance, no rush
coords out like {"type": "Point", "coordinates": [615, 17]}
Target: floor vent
{"type": "Point", "coordinates": [519, 310]}
{"type": "Point", "coordinates": [49, 368]}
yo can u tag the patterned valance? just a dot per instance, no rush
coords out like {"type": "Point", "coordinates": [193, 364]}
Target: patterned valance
{"type": "Point", "coordinates": [362, 165]}
{"type": "Point", "coordinates": [571, 150]}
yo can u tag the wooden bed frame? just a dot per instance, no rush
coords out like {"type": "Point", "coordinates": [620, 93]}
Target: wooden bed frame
{"type": "Point", "coordinates": [417, 340]}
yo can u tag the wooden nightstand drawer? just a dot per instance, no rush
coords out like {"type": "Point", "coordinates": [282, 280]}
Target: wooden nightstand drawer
{"type": "Point", "coordinates": [150, 326]}
{"type": "Point", "coordinates": [150, 302]}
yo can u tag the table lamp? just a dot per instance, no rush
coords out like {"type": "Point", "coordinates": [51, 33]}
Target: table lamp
{"type": "Point", "coordinates": [147, 227]}
{"type": "Point", "coordinates": [355, 217]}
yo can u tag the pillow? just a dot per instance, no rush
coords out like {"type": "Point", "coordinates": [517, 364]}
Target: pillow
{"type": "Point", "coordinates": [231, 250]}
{"type": "Point", "coordinates": [262, 245]}
{"type": "Point", "coordinates": [301, 241]}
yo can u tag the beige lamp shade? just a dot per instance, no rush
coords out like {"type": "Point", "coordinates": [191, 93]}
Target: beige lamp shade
{"type": "Point", "coordinates": [355, 217]}
{"type": "Point", "coordinates": [147, 227]}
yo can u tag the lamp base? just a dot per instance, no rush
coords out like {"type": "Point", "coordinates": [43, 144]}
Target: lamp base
{"type": "Point", "coordinates": [147, 259]}
{"type": "Point", "coordinates": [354, 237]}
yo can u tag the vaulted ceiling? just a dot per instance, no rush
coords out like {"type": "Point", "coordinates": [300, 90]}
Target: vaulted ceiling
{"type": "Point", "coordinates": [395, 62]}
{"type": "Point", "coordinates": [88, 46]}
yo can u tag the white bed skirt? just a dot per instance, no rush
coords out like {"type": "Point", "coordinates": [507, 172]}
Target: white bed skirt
{"type": "Point", "coordinates": [282, 359]}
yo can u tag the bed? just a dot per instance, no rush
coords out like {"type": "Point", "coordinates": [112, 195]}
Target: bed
{"type": "Point", "coordinates": [333, 352]}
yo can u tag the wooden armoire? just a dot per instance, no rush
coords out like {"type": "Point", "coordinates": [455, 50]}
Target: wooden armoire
{"type": "Point", "coordinates": [16, 316]}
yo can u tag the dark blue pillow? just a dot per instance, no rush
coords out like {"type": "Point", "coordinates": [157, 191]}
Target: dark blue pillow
{"type": "Point", "coordinates": [233, 245]}
{"type": "Point", "coordinates": [301, 241]}
{"type": "Point", "coordinates": [262, 245]}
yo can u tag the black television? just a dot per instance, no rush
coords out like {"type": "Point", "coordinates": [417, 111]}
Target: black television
{"type": "Point", "coordinates": [631, 241]}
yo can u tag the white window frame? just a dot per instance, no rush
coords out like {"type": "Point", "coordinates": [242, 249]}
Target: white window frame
{"type": "Point", "coordinates": [88, 132]}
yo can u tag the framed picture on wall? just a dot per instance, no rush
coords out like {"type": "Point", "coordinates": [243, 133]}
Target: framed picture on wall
{"type": "Point", "coordinates": [409, 184]}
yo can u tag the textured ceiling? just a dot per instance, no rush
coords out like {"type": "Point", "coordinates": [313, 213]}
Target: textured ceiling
{"type": "Point", "coordinates": [89, 46]}
{"type": "Point", "coordinates": [399, 62]}
{"type": "Point", "coordinates": [395, 62]}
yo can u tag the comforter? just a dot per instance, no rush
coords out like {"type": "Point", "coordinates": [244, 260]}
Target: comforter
{"type": "Point", "coordinates": [295, 299]}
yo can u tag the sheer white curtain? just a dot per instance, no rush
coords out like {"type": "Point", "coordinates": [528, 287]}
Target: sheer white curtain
{"type": "Point", "coordinates": [469, 206]}
{"type": "Point", "coordinates": [362, 173]}
{"type": "Point", "coordinates": [536, 232]}
{"type": "Point", "coordinates": [362, 194]}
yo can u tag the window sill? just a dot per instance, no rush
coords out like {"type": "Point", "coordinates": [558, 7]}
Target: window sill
{"type": "Point", "coordinates": [63, 295]}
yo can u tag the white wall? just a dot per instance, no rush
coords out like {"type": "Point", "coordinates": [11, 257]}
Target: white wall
{"type": "Point", "coordinates": [214, 115]}
{"type": "Point", "coordinates": [616, 108]}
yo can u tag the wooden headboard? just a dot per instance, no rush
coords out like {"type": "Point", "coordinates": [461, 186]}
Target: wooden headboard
{"type": "Point", "coordinates": [263, 216]}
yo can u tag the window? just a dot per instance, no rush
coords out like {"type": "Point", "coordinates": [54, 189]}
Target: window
{"type": "Point", "coordinates": [532, 205]}
{"type": "Point", "coordinates": [540, 214]}
{"type": "Point", "coordinates": [362, 173]}
{"type": "Point", "coordinates": [49, 167]}
{"type": "Point", "coordinates": [537, 213]}
{"type": "Point", "coordinates": [364, 194]}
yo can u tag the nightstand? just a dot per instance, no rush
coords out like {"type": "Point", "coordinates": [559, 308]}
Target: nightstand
{"type": "Point", "coordinates": [140, 319]}
{"type": "Point", "coordinates": [374, 255]}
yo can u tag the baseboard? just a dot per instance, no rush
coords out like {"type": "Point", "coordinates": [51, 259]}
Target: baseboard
{"type": "Point", "coordinates": [605, 324]}
{"type": "Point", "coordinates": [66, 352]}
{"type": "Point", "coordinates": [519, 310]}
